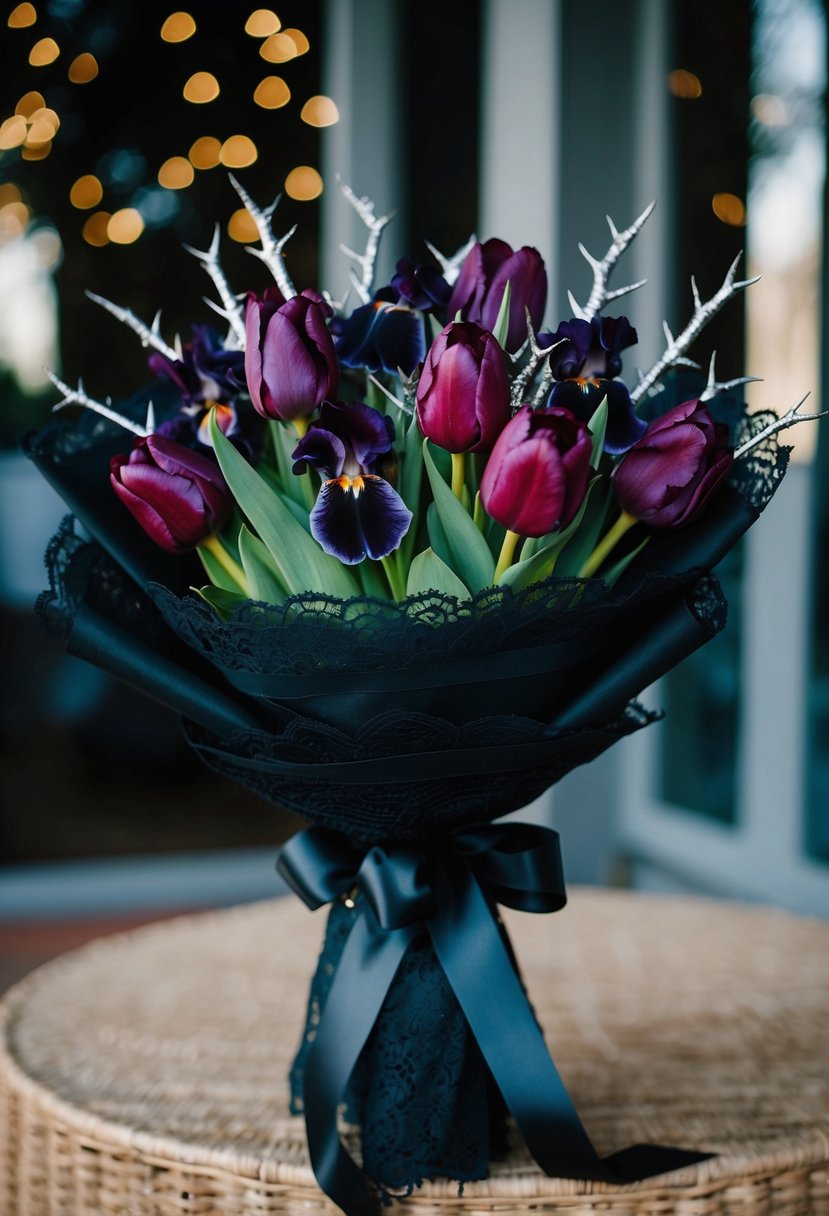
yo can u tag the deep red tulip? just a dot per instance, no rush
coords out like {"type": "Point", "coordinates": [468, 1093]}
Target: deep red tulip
{"type": "Point", "coordinates": [536, 476]}
{"type": "Point", "coordinates": [479, 288]}
{"type": "Point", "coordinates": [178, 496]}
{"type": "Point", "coordinates": [290, 362]}
{"type": "Point", "coordinates": [668, 476]}
{"type": "Point", "coordinates": [463, 398]}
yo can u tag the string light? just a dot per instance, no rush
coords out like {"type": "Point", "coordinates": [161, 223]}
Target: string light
{"type": "Point", "coordinates": [95, 229]}
{"type": "Point", "coordinates": [685, 84]}
{"type": "Point", "coordinates": [86, 192]}
{"type": "Point", "coordinates": [242, 227]}
{"type": "Point", "coordinates": [201, 87]}
{"type": "Point", "coordinates": [125, 226]}
{"type": "Point", "coordinates": [22, 16]}
{"type": "Point", "coordinates": [176, 173]}
{"type": "Point", "coordinates": [299, 40]}
{"type": "Point", "coordinates": [303, 183]}
{"type": "Point", "coordinates": [729, 209]}
{"type": "Point", "coordinates": [320, 111]}
{"type": "Point", "coordinates": [30, 102]}
{"type": "Point", "coordinates": [238, 152]}
{"type": "Point", "coordinates": [44, 52]}
{"type": "Point", "coordinates": [206, 152]}
{"type": "Point", "coordinates": [262, 22]}
{"type": "Point", "coordinates": [279, 48]}
{"type": "Point", "coordinates": [83, 68]}
{"type": "Point", "coordinates": [178, 27]}
{"type": "Point", "coordinates": [271, 93]}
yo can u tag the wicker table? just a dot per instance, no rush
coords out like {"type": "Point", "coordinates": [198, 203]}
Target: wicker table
{"type": "Point", "coordinates": [144, 1075]}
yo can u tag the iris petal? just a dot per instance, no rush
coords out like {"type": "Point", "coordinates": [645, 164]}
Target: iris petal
{"type": "Point", "coordinates": [357, 518]}
{"type": "Point", "coordinates": [399, 339]}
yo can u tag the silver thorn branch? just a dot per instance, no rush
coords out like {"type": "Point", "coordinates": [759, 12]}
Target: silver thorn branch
{"type": "Point", "coordinates": [715, 386]}
{"type": "Point", "coordinates": [150, 335]}
{"type": "Point", "coordinates": [403, 406]}
{"type": "Point", "coordinates": [538, 355]}
{"type": "Point", "coordinates": [450, 268]}
{"type": "Point", "coordinates": [271, 251]}
{"type": "Point", "coordinates": [77, 396]}
{"type": "Point", "coordinates": [209, 259]}
{"type": "Point", "coordinates": [790, 418]}
{"type": "Point", "coordinates": [703, 312]}
{"type": "Point", "coordinates": [375, 224]}
{"type": "Point", "coordinates": [599, 294]}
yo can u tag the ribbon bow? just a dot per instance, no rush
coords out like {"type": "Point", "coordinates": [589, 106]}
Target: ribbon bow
{"type": "Point", "coordinates": [448, 888]}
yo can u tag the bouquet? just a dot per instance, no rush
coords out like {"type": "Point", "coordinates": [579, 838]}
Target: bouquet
{"type": "Point", "coordinates": [400, 567]}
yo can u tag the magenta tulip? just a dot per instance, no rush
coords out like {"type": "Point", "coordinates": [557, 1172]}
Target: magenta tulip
{"type": "Point", "coordinates": [479, 288]}
{"type": "Point", "coordinates": [463, 398]}
{"type": "Point", "coordinates": [668, 476]}
{"type": "Point", "coordinates": [536, 476]}
{"type": "Point", "coordinates": [290, 361]}
{"type": "Point", "coordinates": [178, 496]}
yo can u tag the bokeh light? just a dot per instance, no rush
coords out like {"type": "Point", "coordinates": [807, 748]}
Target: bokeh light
{"type": "Point", "coordinates": [271, 93]}
{"type": "Point", "coordinates": [13, 132]}
{"type": "Point", "coordinates": [43, 126]}
{"type": "Point", "coordinates": [201, 87]}
{"type": "Point", "coordinates": [238, 152]}
{"type": "Point", "coordinates": [685, 84]}
{"type": "Point", "coordinates": [14, 219]}
{"type": "Point", "coordinates": [125, 226]}
{"type": "Point", "coordinates": [242, 227]}
{"type": "Point", "coordinates": [206, 152]}
{"type": "Point", "coordinates": [729, 209]}
{"type": "Point", "coordinates": [36, 151]}
{"type": "Point", "coordinates": [22, 16]}
{"type": "Point", "coordinates": [262, 22]}
{"type": "Point", "coordinates": [320, 111]}
{"type": "Point", "coordinates": [176, 173]}
{"type": "Point", "coordinates": [86, 192]}
{"type": "Point", "coordinates": [299, 40]}
{"type": "Point", "coordinates": [303, 183]}
{"type": "Point", "coordinates": [9, 193]}
{"type": "Point", "coordinates": [178, 27]}
{"type": "Point", "coordinates": [30, 102]}
{"type": "Point", "coordinates": [279, 48]}
{"type": "Point", "coordinates": [95, 229]}
{"type": "Point", "coordinates": [83, 68]}
{"type": "Point", "coordinates": [44, 52]}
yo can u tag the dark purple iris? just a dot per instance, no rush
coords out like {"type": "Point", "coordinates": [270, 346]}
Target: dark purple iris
{"type": "Point", "coordinates": [357, 513]}
{"type": "Point", "coordinates": [389, 334]}
{"type": "Point", "coordinates": [206, 371]}
{"type": "Point", "coordinates": [586, 358]}
{"type": "Point", "coordinates": [421, 286]}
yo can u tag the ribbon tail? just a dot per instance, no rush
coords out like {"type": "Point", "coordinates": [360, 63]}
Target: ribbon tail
{"type": "Point", "coordinates": [368, 965]}
{"type": "Point", "coordinates": [472, 953]}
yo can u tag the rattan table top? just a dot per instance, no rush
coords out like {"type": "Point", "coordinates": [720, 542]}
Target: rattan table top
{"type": "Point", "coordinates": [145, 1074]}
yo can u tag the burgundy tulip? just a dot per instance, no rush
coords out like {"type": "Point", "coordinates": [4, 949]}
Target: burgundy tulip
{"type": "Point", "coordinates": [668, 476]}
{"type": "Point", "coordinates": [479, 288]}
{"type": "Point", "coordinates": [537, 475]}
{"type": "Point", "coordinates": [290, 362]}
{"type": "Point", "coordinates": [178, 496]}
{"type": "Point", "coordinates": [463, 397]}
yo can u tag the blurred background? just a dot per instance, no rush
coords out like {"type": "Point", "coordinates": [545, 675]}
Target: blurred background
{"type": "Point", "coordinates": [525, 119]}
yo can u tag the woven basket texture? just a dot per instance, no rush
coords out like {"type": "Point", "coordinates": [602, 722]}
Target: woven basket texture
{"type": "Point", "coordinates": [145, 1074]}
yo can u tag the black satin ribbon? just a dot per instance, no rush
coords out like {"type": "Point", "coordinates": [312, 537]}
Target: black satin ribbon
{"type": "Point", "coordinates": [448, 888]}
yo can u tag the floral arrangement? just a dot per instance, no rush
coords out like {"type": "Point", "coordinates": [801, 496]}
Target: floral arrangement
{"type": "Point", "coordinates": [445, 549]}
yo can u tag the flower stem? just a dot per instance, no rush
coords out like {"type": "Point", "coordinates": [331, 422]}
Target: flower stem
{"type": "Point", "coordinates": [300, 425]}
{"type": "Point", "coordinates": [506, 555]}
{"type": "Point", "coordinates": [396, 586]}
{"type": "Point", "coordinates": [229, 564]}
{"type": "Point", "coordinates": [458, 473]}
{"type": "Point", "coordinates": [608, 542]}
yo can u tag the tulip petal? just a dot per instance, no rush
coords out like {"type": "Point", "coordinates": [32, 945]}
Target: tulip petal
{"type": "Point", "coordinates": [170, 508]}
{"type": "Point", "coordinates": [359, 518]}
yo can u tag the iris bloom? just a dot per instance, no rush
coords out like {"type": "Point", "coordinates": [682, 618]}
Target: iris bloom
{"type": "Point", "coordinates": [206, 371]}
{"type": "Point", "coordinates": [357, 513]}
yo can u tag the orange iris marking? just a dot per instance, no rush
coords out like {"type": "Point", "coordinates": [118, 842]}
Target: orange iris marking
{"type": "Point", "coordinates": [355, 484]}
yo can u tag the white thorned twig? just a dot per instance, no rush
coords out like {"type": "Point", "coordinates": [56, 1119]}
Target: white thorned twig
{"type": "Point", "coordinates": [674, 353]}
{"type": "Point", "coordinates": [599, 294]}
{"type": "Point", "coordinates": [450, 267]}
{"type": "Point", "coordinates": [150, 335]}
{"type": "Point", "coordinates": [790, 418]}
{"type": "Point", "coordinates": [366, 261]}
{"type": "Point", "coordinates": [271, 251]}
{"type": "Point", "coordinates": [715, 386]}
{"type": "Point", "coordinates": [538, 356]}
{"type": "Point", "coordinates": [231, 309]}
{"type": "Point", "coordinates": [77, 396]}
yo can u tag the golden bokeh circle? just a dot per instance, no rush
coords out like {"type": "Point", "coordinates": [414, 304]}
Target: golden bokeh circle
{"type": "Point", "coordinates": [86, 192]}
{"type": "Point", "coordinates": [271, 93]}
{"type": "Point", "coordinates": [125, 226]}
{"type": "Point", "coordinates": [303, 183]}
{"type": "Point", "coordinates": [201, 88]}
{"type": "Point", "coordinates": [238, 151]}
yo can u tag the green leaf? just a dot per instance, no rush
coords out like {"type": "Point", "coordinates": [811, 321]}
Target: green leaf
{"type": "Point", "coordinates": [409, 483]}
{"type": "Point", "coordinates": [591, 526]}
{"type": "Point", "coordinates": [597, 427]}
{"type": "Point", "coordinates": [614, 573]}
{"type": "Point", "coordinates": [435, 326]}
{"type": "Point", "coordinates": [501, 327]}
{"type": "Point", "coordinates": [373, 579]}
{"type": "Point", "coordinates": [285, 439]}
{"type": "Point", "coordinates": [429, 573]}
{"type": "Point", "coordinates": [471, 558]}
{"type": "Point", "coordinates": [302, 564]}
{"type": "Point", "coordinates": [437, 535]}
{"type": "Point", "coordinates": [214, 569]}
{"type": "Point", "coordinates": [221, 600]}
{"type": "Point", "coordinates": [260, 569]}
